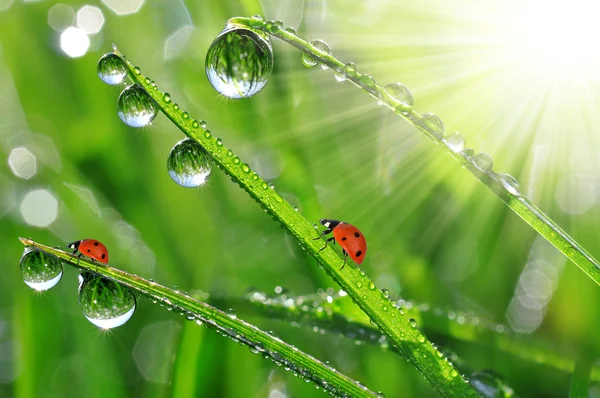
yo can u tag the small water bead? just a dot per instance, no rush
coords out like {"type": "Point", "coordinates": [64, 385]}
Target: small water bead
{"type": "Point", "coordinates": [195, 124]}
{"type": "Point", "coordinates": [40, 271]}
{"type": "Point", "coordinates": [229, 152]}
{"type": "Point", "coordinates": [339, 77]}
{"type": "Point", "coordinates": [147, 80]}
{"type": "Point", "coordinates": [433, 124]}
{"type": "Point", "coordinates": [245, 168]}
{"type": "Point", "coordinates": [185, 115]}
{"type": "Point", "coordinates": [189, 164]}
{"type": "Point", "coordinates": [105, 303]}
{"type": "Point", "coordinates": [455, 142]}
{"type": "Point", "coordinates": [400, 93]}
{"type": "Point", "coordinates": [176, 107]}
{"type": "Point", "coordinates": [290, 30]}
{"type": "Point", "coordinates": [490, 385]}
{"type": "Point", "coordinates": [254, 177]}
{"type": "Point", "coordinates": [264, 186]}
{"type": "Point", "coordinates": [236, 160]}
{"type": "Point", "coordinates": [323, 47]}
{"type": "Point", "coordinates": [350, 69]}
{"type": "Point", "coordinates": [273, 27]}
{"type": "Point", "coordinates": [256, 21]}
{"type": "Point", "coordinates": [239, 62]}
{"type": "Point", "coordinates": [412, 322]}
{"type": "Point", "coordinates": [219, 142]}
{"type": "Point", "coordinates": [167, 97]}
{"type": "Point", "coordinates": [468, 153]}
{"type": "Point", "coordinates": [112, 69]}
{"type": "Point", "coordinates": [207, 134]}
{"type": "Point", "coordinates": [137, 70]}
{"type": "Point", "coordinates": [371, 286]}
{"type": "Point", "coordinates": [135, 107]}
{"type": "Point", "coordinates": [483, 162]}
{"type": "Point", "coordinates": [509, 183]}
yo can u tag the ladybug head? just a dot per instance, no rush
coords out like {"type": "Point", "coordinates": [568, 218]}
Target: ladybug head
{"type": "Point", "coordinates": [329, 223]}
{"type": "Point", "coordinates": [74, 245]}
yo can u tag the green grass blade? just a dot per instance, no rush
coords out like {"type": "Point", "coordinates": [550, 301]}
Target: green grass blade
{"type": "Point", "coordinates": [580, 381]}
{"type": "Point", "coordinates": [510, 195]}
{"type": "Point", "coordinates": [238, 330]}
{"type": "Point", "coordinates": [413, 345]}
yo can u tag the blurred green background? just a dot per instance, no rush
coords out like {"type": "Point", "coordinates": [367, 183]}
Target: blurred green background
{"type": "Point", "coordinates": [518, 79]}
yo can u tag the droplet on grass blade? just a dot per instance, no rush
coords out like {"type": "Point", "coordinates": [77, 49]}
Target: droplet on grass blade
{"type": "Point", "coordinates": [455, 142]}
{"type": "Point", "coordinates": [112, 69]}
{"type": "Point", "coordinates": [40, 271]}
{"type": "Point", "coordinates": [135, 107]}
{"type": "Point", "coordinates": [433, 124]}
{"type": "Point", "coordinates": [483, 162]}
{"type": "Point", "coordinates": [105, 303]}
{"type": "Point", "coordinates": [400, 93]}
{"type": "Point", "coordinates": [239, 62]}
{"type": "Point", "coordinates": [189, 164]}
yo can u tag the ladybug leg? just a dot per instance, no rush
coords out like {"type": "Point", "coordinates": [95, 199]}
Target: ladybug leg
{"type": "Point", "coordinates": [345, 257]}
{"type": "Point", "coordinates": [325, 232]}
{"type": "Point", "coordinates": [332, 239]}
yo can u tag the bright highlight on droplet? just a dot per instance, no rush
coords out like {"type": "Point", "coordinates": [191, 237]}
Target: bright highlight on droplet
{"type": "Point", "coordinates": [74, 42]}
{"type": "Point", "coordinates": [90, 19]}
{"type": "Point", "coordinates": [22, 163]}
{"type": "Point", "coordinates": [39, 208]}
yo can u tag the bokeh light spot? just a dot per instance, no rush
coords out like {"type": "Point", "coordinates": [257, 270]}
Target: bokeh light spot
{"type": "Point", "coordinates": [155, 349]}
{"type": "Point", "coordinates": [22, 163]}
{"type": "Point", "coordinates": [124, 7]}
{"type": "Point", "coordinates": [178, 41]}
{"type": "Point", "coordinates": [5, 4]}
{"type": "Point", "coordinates": [60, 17]}
{"type": "Point", "coordinates": [39, 208]}
{"type": "Point", "coordinates": [90, 19]}
{"type": "Point", "coordinates": [74, 42]}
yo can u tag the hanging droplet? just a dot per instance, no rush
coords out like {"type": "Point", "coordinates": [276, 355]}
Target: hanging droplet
{"type": "Point", "coordinates": [135, 107]}
{"type": "Point", "coordinates": [189, 164]}
{"type": "Point", "coordinates": [105, 303]}
{"type": "Point", "coordinates": [40, 271]}
{"type": "Point", "coordinates": [456, 142]}
{"type": "Point", "coordinates": [309, 61]}
{"type": "Point", "coordinates": [413, 322]}
{"type": "Point", "coordinates": [350, 69]}
{"type": "Point", "coordinates": [432, 124]}
{"type": "Point", "coordinates": [490, 385]}
{"type": "Point", "coordinates": [401, 94]}
{"type": "Point", "coordinates": [339, 77]}
{"type": "Point", "coordinates": [509, 183]}
{"type": "Point", "coordinates": [112, 69]}
{"type": "Point", "coordinates": [239, 62]}
{"type": "Point", "coordinates": [483, 162]}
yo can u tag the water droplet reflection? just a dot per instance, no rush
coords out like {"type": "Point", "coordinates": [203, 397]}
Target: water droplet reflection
{"type": "Point", "coordinates": [483, 162]}
{"type": "Point", "coordinates": [400, 93]}
{"type": "Point", "coordinates": [433, 124]}
{"type": "Point", "coordinates": [456, 142]}
{"type": "Point", "coordinates": [105, 303]}
{"type": "Point", "coordinates": [239, 62]}
{"type": "Point", "coordinates": [112, 69]}
{"type": "Point", "coordinates": [189, 164]}
{"type": "Point", "coordinates": [40, 271]}
{"type": "Point", "coordinates": [135, 107]}
{"type": "Point", "coordinates": [509, 183]}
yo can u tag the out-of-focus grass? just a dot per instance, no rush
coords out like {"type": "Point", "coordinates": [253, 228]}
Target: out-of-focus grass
{"type": "Point", "coordinates": [434, 234]}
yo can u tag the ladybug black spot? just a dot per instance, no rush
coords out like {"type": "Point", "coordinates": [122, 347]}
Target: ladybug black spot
{"type": "Point", "coordinates": [356, 234]}
{"type": "Point", "coordinates": [344, 238]}
{"type": "Point", "coordinates": [103, 256]}
{"type": "Point", "coordinates": [358, 253]}
{"type": "Point", "coordinates": [95, 243]}
{"type": "Point", "coordinates": [89, 250]}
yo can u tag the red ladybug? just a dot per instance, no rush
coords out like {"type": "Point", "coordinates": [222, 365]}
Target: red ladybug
{"type": "Point", "coordinates": [348, 236]}
{"type": "Point", "coordinates": [90, 248]}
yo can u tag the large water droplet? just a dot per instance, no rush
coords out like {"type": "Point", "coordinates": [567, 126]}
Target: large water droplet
{"type": "Point", "coordinates": [489, 385]}
{"type": "Point", "coordinates": [105, 303]}
{"type": "Point", "coordinates": [39, 270]}
{"type": "Point", "coordinates": [400, 93]}
{"type": "Point", "coordinates": [509, 183]}
{"type": "Point", "coordinates": [483, 162]}
{"type": "Point", "coordinates": [112, 69]}
{"type": "Point", "coordinates": [239, 62]}
{"type": "Point", "coordinates": [189, 164]}
{"type": "Point", "coordinates": [323, 47]}
{"type": "Point", "coordinates": [433, 124]}
{"type": "Point", "coordinates": [135, 107]}
{"type": "Point", "coordinates": [456, 142]}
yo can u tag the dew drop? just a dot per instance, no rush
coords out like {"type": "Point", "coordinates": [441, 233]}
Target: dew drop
{"type": "Point", "coordinates": [290, 30]}
{"type": "Point", "coordinates": [371, 286]}
{"type": "Point", "coordinates": [135, 107]}
{"type": "Point", "coordinates": [40, 271]}
{"type": "Point", "coordinates": [412, 322]}
{"type": "Point", "coordinates": [189, 164]}
{"type": "Point", "coordinates": [339, 77]}
{"type": "Point", "coordinates": [483, 162]}
{"type": "Point", "coordinates": [236, 160]}
{"type": "Point", "coordinates": [229, 152]}
{"type": "Point", "coordinates": [350, 69]}
{"type": "Point", "coordinates": [432, 124]}
{"type": "Point", "coordinates": [308, 60]}
{"type": "Point", "coordinates": [105, 303]}
{"type": "Point", "coordinates": [401, 94]}
{"type": "Point", "coordinates": [468, 153]}
{"type": "Point", "coordinates": [195, 124]}
{"type": "Point", "coordinates": [490, 385]}
{"type": "Point", "coordinates": [185, 116]}
{"type": "Point", "coordinates": [455, 142]}
{"type": "Point", "coordinates": [509, 183]}
{"type": "Point", "coordinates": [273, 27]}
{"type": "Point", "coordinates": [231, 313]}
{"type": "Point", "coordinates": [256, 21]}
{"type": "Point", "coordinates": [167, 97]}
{"type": "Point", "coordinates": [112, 69]}
{"type": "Point", "coordinates": [137, 70]}
{"type": "Point", "coordinates": [245, 168]}
{"type": "Point", "coordinates": [239, 62]}
{"type": "Point", "coordinates": [323, 47]}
